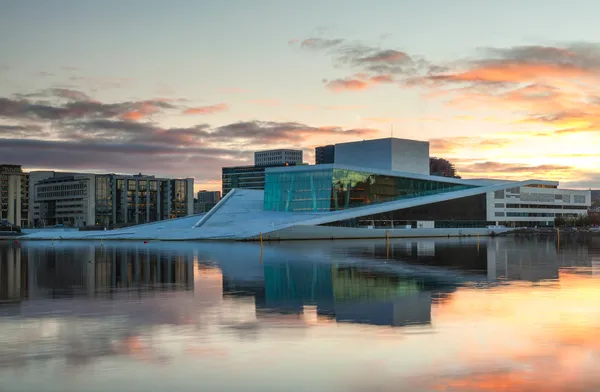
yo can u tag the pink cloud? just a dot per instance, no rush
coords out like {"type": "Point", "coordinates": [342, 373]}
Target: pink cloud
{"type": "Point", "coordinates": [201, 110]}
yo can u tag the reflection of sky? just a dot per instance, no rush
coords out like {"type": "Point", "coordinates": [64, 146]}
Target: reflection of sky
{"type": "Point", "coordinates": [533, 335]}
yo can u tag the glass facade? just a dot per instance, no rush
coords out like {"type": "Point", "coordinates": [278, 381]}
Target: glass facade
{"type": "Point", "coordinates": [334, 189]}
{"type": "Point", "coordinates": [103, 201]}
{"type": "Point", "coordinates": [465, 212]}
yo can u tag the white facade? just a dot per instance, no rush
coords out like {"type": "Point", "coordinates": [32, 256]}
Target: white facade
{"type": "Point", "coordinates": [65, 201]}
{"type": "Point", "coordinates": [391, 154]}
{"type": "Point", "coordinates": [536, 204]}
{"type": "Point", "coordinates": [277, 157]}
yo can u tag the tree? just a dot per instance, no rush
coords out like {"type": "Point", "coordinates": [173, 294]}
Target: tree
{"type": "Point", "coordinates": [441, 167]}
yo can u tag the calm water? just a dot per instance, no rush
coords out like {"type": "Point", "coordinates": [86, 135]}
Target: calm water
{"type": "Point", "coordinates": [427, 315]}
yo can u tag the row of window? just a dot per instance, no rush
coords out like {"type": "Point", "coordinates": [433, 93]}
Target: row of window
{"type": "Point", "coordinates": [542, 206]}
{"type": "Point", "coordinates": [532, 214]}
{"type": "Point", "coordinates": [60, 194]}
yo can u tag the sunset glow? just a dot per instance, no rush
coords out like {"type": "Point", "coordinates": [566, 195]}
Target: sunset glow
{"type": "Point", "coordinates": [518, 104]}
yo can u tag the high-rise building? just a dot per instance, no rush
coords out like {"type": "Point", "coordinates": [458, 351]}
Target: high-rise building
{"type": "Point", "coordinates": [246, 177]}
{"type": "Point", "coordinates": [277, 157]}
{"type": "Point", "coordinates": [209, 196]}
{"type": "Point", "coordinates": [325, 154]}
{"type": "Point", "coordinates": [109, 200]}
{"type": "Point", "coordinates": [206, 200]}
{"type": "Point", "coordinates": [14, 195]}
{"type": "Point", "coordinates": [253, 177]}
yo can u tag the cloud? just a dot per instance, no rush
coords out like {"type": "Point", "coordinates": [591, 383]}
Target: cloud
{"type": "Point", "coordinates": [197, 162]}
{"type": "Point", "coordinates": [498, 167]}
{"type": "Point", "coordinates": [78, 105]}
{"type": "Point", "coordinates": [319, 43]}
{"type": "Point", "coordinates": [523, 64]}
{"type": "Point", "coordinates": [201, 110]}
{"type": "Point", "coordinates": [21, 130]}
{"type": "Point", "coordinates": [277, 132]}
{"type": "Point", "coordinates": [69, 130]}
{"type": "Point", "coordinates": [360, 82]}
{"type": "Point", "coordinates": [347, 84]}
{"type": "Point", "coordinates": [454, 144]}
{"type": "Point", "coordinates": [377, 65]}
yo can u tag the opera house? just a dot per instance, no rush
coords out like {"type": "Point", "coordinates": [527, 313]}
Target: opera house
{"type": "Point", "coordinates": [374, 189]}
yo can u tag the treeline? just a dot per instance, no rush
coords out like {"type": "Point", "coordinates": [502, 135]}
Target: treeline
{"type": "Point", "coordinates": [579, 221]}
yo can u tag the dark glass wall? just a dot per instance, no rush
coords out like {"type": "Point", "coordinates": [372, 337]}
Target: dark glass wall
{"type": "Point", "coordinates": [464, 212]}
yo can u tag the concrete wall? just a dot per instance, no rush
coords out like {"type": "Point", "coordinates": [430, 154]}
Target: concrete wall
{"type": "Point", "coordinates": [537, 196]}
{"type": "Point", "coordinates": [402, 155]}
{"type": "Point", "coordinates": [331, 232]}
{"type": "Point", "coordinates": [189, 188]}
{"type": "Point", "coordinates": [410, 156]}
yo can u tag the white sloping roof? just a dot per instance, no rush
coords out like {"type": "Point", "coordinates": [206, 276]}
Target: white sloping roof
{"type": "Point", "coordinates": [241, 215]}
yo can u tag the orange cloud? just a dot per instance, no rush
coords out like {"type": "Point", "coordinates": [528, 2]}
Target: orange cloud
{"type": "Point", "coordinates": [132, 116]}
{"type": "Point", "coordinates": [347, 85]}
{"type": "Point", "coordinates": [513, 73]}
{"type": "Point", "coordinates": [200, 110]}
{"type": "Point", "coordinates": [359, 82]}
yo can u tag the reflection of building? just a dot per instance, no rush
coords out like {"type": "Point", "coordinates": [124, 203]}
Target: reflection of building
{"type": "Point", "coordinates": [14, 195]}
{"type": "Point", "coordinates": [77, 199]}
{"type": "Point", "coordinates": [524, 259]}
{"type": "Point", "coordinates": [75, 271]}
{"type": "Point", "coordinates": [346, 293]}
{"type": "Point", "coordinates": [13, 274]}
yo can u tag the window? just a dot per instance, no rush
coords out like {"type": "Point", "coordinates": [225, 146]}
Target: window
{"type": "Point", "coordinates": [499, 205]}
{"type": "Point", "coordinates": [338, 189]}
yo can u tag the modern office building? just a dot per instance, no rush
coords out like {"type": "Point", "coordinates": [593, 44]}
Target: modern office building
{"type": "Point", "coordinates": [209, 196]}
{"type": "Point", "coordinates": [206, 200]}
{"type": "Point", "coordinates": [109, 200]}
{"type": "Point", "coordinates": [245, 177]}
{"type": "Point", "coordinates": [325, 154]}
{"type": "Point", "coordinates": [14, 195]}
{"type": "Point", "coordinates": [277, 157]}
{"type": "Point", "coordinates": [354, 201]}
{"type": "Point", "coordinates": [253, 177]}
{"type": "Point", "coordinates": [64, 200]}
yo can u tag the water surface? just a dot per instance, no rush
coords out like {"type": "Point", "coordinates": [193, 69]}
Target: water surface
{"type": "Point", "coordinates": [498, 314]}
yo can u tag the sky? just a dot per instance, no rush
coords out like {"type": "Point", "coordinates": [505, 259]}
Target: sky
{"type": "Point", "coordinates": [505, 89]}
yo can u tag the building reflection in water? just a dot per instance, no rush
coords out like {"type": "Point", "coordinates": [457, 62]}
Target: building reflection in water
{"type": "Point", "coordinates": [396, 283]}
{"type": "Point", "coordinates": [13, 274]}
{"type": "Point", "coordinates": [393, 283]}
{"type": "Point", "coordinates": [56, 272]}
